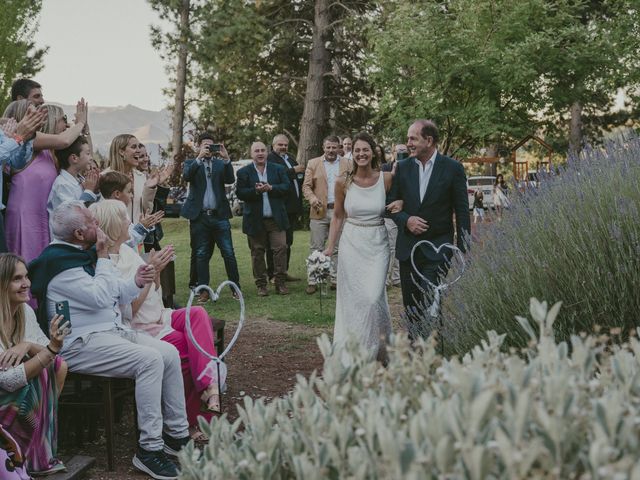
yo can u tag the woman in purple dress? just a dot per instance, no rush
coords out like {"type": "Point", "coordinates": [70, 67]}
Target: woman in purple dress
{"type": "Point", "coordinates": [27, 220]}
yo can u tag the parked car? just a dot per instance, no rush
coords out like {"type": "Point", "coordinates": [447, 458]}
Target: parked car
{"type": "Point", "coordinates": [485, 184]}
{"type": "Point", "coordinates": [175, 200]}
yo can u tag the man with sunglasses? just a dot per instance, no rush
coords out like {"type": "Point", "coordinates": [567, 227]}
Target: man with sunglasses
{"type": "Point", "coordinates": [208, 211]}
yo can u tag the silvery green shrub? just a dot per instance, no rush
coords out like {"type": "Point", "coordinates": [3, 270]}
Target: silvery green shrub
{"type": "Point", "coordinates": [575, 239]}
{"type": "Point", "coordinates": [553, 410]}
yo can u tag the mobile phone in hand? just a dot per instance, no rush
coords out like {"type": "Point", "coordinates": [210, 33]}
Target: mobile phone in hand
{"type": "Point", "coordinates": [62, 308]}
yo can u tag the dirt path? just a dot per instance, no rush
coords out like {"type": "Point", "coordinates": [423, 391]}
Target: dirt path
{"type": "Point", "coordinates": [264, 363]}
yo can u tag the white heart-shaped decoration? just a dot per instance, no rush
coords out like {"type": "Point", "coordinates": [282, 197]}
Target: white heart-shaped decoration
{"type": "Point", "coordinates": [444, 285]}
{"type": "Point", "coordinates": [214, 296]}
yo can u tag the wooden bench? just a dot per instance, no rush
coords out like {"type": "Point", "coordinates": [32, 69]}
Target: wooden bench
{"type": "Point", "coordinates": [77, 467]}
{"type": "Point", "coordinates": [77, 395]}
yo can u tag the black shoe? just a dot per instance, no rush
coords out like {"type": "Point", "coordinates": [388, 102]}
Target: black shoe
{"type": "Point", "coordinates": [173, 445]}
{"type": "Point", "coordinates": [156, 464]}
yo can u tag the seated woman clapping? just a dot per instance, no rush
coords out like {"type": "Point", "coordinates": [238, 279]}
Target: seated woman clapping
{"type": "Point", "coordinates": [148, 314]}
{"type": "Point", "coordinates": [31, 373]}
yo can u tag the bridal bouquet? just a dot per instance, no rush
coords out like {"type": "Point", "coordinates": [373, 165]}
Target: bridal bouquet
{"type": "Point", "coordinates": [318, 267]}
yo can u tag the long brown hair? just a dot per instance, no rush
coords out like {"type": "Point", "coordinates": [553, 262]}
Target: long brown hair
{"type": "Point", "coordinates": [116, 159]}
{"type": "Point", "coordinates": [12, 331]}
{"type": "Point", "coordinates": [375, 161]}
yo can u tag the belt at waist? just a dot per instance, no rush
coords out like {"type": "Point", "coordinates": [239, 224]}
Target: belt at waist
{"type": "Point", "coordinates": [210, 212]}
{"type": "Point", "coordinates": [375, 223]}
{"type": "Point", "coordinates": [330, 206]}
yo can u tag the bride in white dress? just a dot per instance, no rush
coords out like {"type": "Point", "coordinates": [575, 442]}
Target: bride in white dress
{"type": "Point", "coordinates": [362, 310]}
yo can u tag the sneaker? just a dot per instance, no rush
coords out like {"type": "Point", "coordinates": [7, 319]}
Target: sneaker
{"type": "Point", "coordinates": [282, 289]}
{"type": "Point", "coordinates": [156, 464]}
{"type": "Point", "coordinates": [311, 289]}
{"type": "Point", "coordinates": [173, 445]}
{"type": "Point", "coordinates": [263, 292]}
{"type": "Point", "coordinates": [203, 297]}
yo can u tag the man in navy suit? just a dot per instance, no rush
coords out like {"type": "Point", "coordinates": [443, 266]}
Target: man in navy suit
{"type": "Point", "coordinates": [264, 188]}
{"type": "Point", "coordinates": [295, 172]}
{"type": "Point", "coordinates": [208, 210]}
{"type": "Point", "coordinates": [434, 189]}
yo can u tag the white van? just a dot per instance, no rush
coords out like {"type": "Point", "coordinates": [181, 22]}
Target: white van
{"type": "Point", "coordinates": [485, 184]}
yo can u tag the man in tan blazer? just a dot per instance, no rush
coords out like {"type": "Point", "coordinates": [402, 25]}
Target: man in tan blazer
{"type": "Point", "coordinates": [318, 188]}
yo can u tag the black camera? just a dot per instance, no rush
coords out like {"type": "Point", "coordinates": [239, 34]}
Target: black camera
{"type": "Point", "coordinates": [401, 155]}
{"type": "Point", "coordinates": [215, 147]}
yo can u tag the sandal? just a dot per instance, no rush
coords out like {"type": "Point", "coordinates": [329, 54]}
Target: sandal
{"type": "Point", "coordinates": [211, 399]}
{"type": "Point", "coordinates": [198, 436]}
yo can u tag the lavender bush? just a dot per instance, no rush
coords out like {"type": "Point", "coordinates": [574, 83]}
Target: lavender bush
{"type": "Point", "coordinates": [575, 239]}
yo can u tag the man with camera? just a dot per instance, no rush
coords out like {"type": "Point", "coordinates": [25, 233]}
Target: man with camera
{"type": "Point", "coordinates": [208, 211]}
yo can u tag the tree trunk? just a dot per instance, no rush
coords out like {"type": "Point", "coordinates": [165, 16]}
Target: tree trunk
{"type": "Point", "coordinates": [315, 112]}
{"type": "Point", "coordinates": [181, 79]}
{"type": "Point", "coordinates": [575, 128]}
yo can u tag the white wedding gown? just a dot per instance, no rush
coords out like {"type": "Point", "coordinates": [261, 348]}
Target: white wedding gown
{"type": "Point", "coordinates": [362, 310]}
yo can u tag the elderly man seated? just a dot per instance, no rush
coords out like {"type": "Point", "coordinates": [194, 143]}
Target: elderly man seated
{"type": "Point", "coordinates": [71, 270]}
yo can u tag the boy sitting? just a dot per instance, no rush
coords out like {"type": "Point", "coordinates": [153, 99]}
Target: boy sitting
{"type": "Point", "coordinates": [70, 184]}
{"type": "Point", "coordinates": [117, 186]}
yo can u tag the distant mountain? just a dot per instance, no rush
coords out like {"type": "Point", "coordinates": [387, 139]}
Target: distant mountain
{"type": "Point", "coordinates": [151, 128]}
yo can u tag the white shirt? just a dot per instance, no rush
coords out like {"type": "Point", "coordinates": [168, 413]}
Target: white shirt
{"type": "Point", "coordinates": [93, 301]}
{"type": "Point", "coordinates": [266, 206]}
{"type": "Point", "coordinates": [209, 199]}
{"type": "Point", "coordinates": [15, 378]}
{"type": "Point", "coordinates": [67, 187]}
{"type": "Point", "coordinates": [333, 170]}
{"type": "Point", "coordinates": [425, 173]}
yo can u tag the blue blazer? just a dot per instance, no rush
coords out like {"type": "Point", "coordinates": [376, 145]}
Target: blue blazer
{"type": "Point", "coordinates": [446, 195]}
{"type": "Point", "coordinates": [195, 173]}
{"type": "Point", "coordinates": [252, 208]}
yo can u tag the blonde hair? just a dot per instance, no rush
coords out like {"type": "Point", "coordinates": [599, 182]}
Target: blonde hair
{"type": "Point", "coordinates": [12, 325]}
{"type": "Point", "coordinates": [17, 109]}
{"type": "Point", "coordinates": [109, 214]}
{"type": "Point", "coordinates": [54, 113]}
{"type": "Point", "coordinates": [116, 159]}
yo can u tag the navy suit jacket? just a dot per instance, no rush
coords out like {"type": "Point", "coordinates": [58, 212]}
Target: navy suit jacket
{"type": "Point", "coordinates": [252, 208]}
{"type": "Point", "coordinates": [446, 195]}
{"type": "Point", "coordinates": [294, 199]}
{"type": "Point", "coordinates": [195, 173]}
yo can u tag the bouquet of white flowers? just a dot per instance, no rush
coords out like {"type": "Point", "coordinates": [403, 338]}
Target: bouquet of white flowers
{"type": "Point", "coordinates": [318, 267]}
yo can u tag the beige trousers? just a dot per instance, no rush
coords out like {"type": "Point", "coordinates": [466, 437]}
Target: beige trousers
{"type": "Point", "coordinates": [319, 235]}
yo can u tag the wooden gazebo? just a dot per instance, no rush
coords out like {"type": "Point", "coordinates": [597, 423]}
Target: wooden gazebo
{"type": "Point", "coordinates": [521, 168]}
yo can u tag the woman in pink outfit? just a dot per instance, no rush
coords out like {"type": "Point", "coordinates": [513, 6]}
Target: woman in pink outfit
{"type": "Point", "coordinates": [27, 220]}
{"type": "Point", "coordinates": [148, 314]}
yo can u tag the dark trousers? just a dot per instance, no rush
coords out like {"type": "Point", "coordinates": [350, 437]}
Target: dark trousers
{"type": "Point", "coordinates": [414, 300]}
{"type": "Point", "coordinates": [207, 231]}
{"type": "Point", "coordinates": [270, 238]}
{"type": "Point", "coordinates": [3, 240]}
{"type": "Point", "coordinates": [293, 220]}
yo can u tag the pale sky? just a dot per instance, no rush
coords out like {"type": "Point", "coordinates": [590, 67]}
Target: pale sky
{"type": "Point", "coordinates": [100, 50]}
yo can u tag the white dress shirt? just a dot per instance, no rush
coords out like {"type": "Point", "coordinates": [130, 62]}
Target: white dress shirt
{"type": "Point", "coordinates": [333, 170]}
{"type": "Point", "coordinates": [67, 187]}
{"type": "Point", "coordinates": [266, 206]}
{"type": "Point", "coordinates": [93, 301]}
{"type": "Point", "coordinates": [425, 173]}
{"type": "Point", "coordinates": [209, 199]}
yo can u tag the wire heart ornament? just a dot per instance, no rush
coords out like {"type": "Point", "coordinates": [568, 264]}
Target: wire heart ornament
{"type": "Point", "coordinates": [437, 289]}
{"type": "Point", "coordinates": [215, 362]}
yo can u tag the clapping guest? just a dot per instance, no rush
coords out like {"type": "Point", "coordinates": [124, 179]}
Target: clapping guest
{"type": "Point", "coordinates": [31, 373]}
{"type": "Point", "coordinates": [74, 162]}
{"type": "Point", "coordinates": [100, 344]}
{"type": "Point", "coordinates": [27, 220]}
{"type": "Point", "coordinates": [147, 314]}
{"type": "Point", "coordinates": [118, 186]}
{"type": "Point", "coordinates": [124, 156]}
{"type": "Point", "coordinates": [16, 149]}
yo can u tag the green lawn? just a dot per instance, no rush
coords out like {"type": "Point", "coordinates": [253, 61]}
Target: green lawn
{"type": "Point", "coordinates": [297, 307]}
